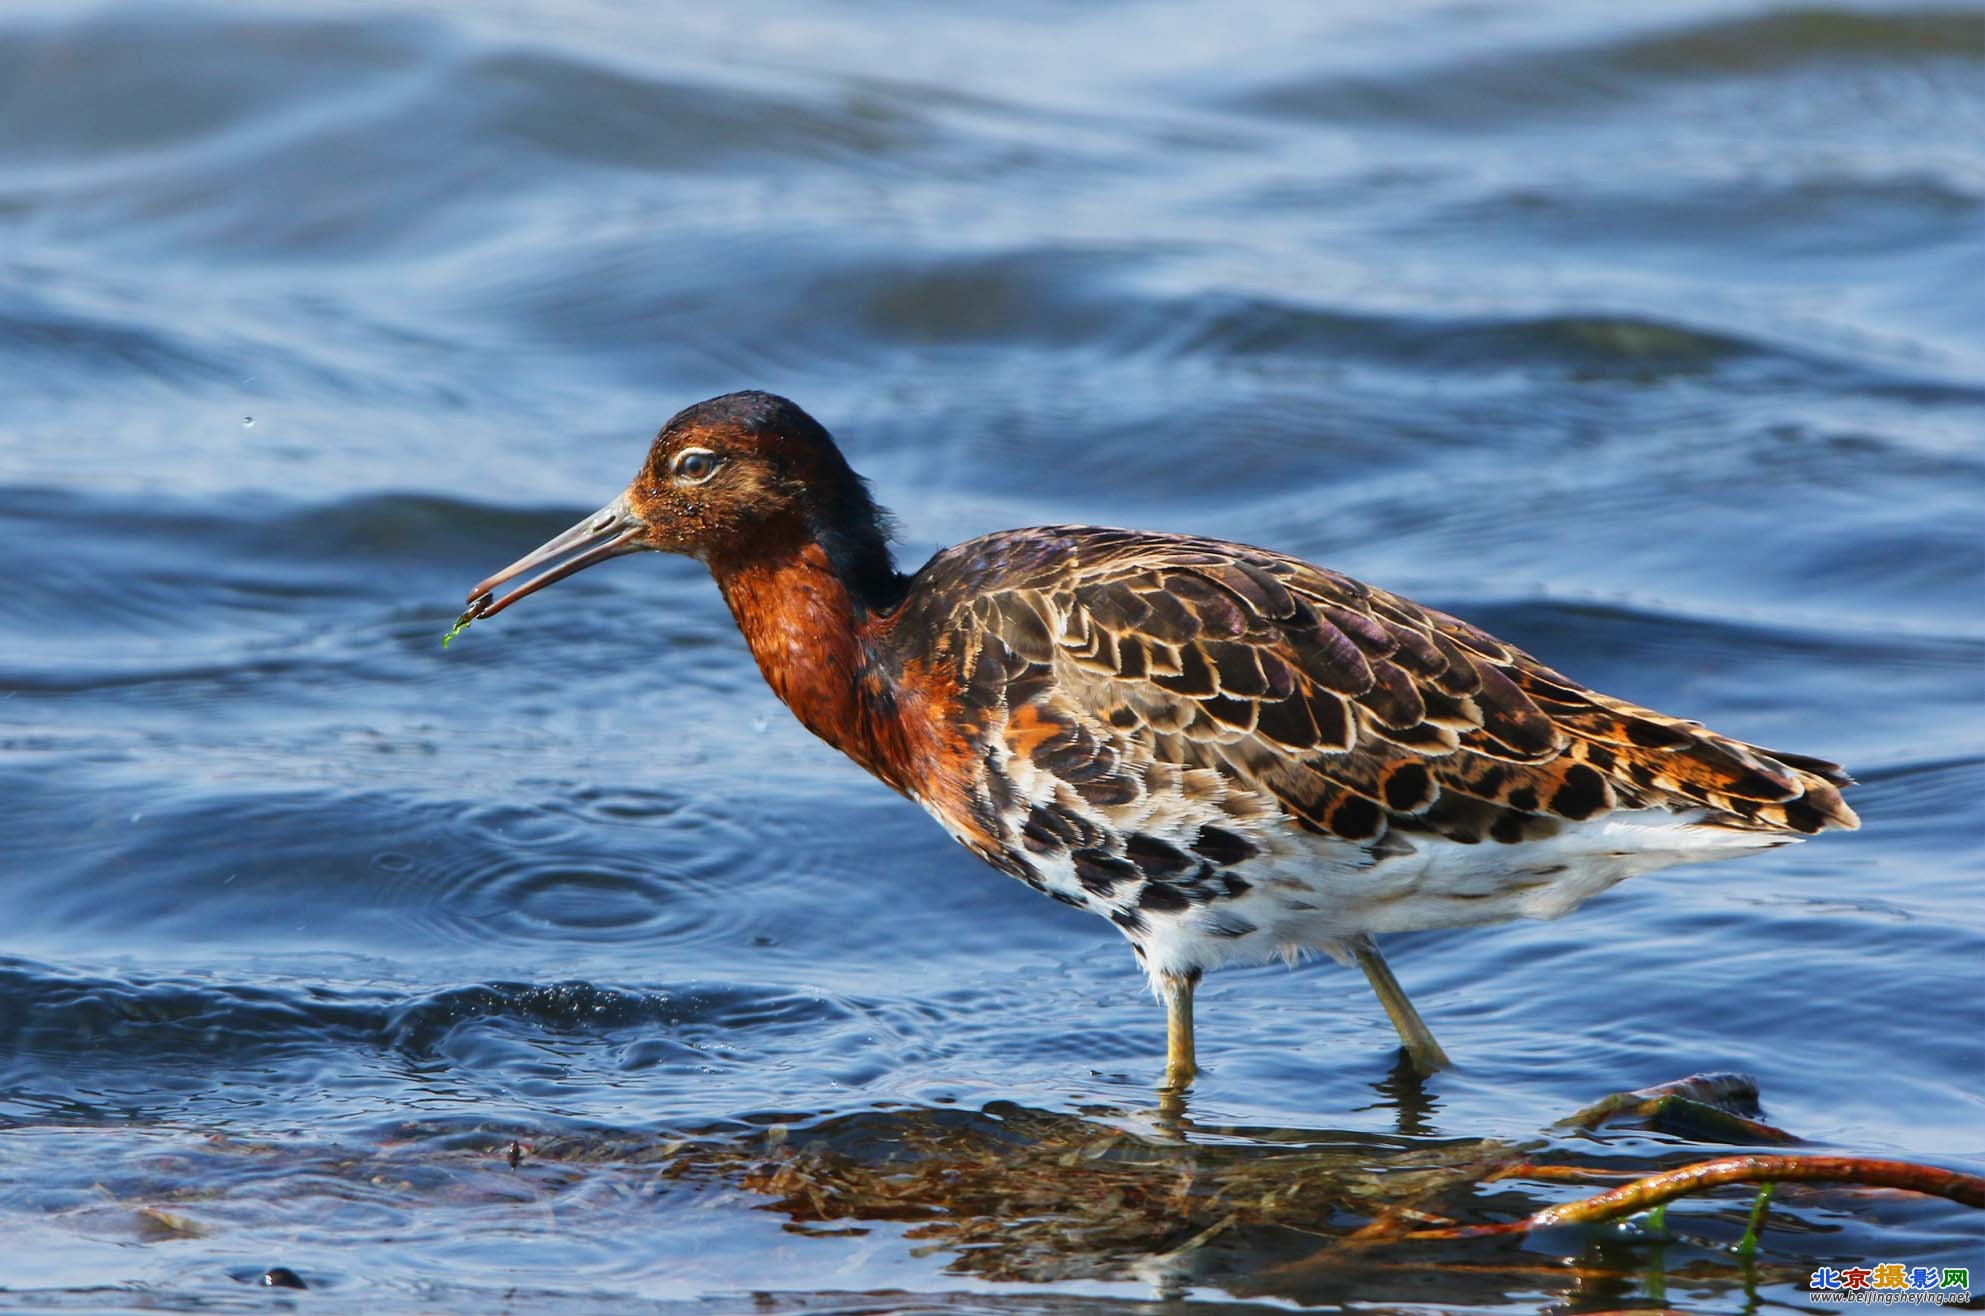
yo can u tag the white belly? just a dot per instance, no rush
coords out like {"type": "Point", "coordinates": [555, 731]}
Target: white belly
{"type": "Point", "coordinates": [1308, 893]}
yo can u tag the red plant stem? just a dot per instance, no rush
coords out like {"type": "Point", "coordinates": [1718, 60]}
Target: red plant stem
{"type": "Point", "coordinates": [1654, 1189]}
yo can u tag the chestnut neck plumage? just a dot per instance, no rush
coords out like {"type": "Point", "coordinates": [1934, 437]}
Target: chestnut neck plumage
{"type": "Point", "coordinates": [812, 617]}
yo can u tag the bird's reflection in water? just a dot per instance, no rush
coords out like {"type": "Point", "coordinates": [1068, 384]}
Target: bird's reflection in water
{"type": "Point", "coordinates": [1404, 1091]}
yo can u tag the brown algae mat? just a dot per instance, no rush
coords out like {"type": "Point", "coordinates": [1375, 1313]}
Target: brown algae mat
{"type": "Point", "coordinates": [1641, 1198]}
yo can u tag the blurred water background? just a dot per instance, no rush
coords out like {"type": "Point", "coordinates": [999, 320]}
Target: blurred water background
{"type": "Point", "coordinates": [1649, 337]}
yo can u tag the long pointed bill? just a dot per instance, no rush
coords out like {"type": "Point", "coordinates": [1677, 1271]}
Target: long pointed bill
{"type": "Point", "coordinates": [609, 532]}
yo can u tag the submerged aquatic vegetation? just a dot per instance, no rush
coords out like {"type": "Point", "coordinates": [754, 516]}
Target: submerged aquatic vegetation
{"type": "Point", "coordinates": [1009, 1193]}
{"type": "Point", "coordinates": [1016, 1194]}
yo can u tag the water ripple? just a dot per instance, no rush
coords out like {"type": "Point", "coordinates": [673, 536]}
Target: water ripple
{"type": "Point", "coordinates": [1502, 88]}
{"type": "Point", "coordinates": [1645, 339]}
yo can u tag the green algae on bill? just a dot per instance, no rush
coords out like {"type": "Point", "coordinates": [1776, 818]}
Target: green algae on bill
{"type": "Point", "coordinates": [468, 617]}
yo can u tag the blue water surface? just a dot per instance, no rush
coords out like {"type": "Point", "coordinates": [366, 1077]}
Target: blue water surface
{"type": "Point", "coordinates": [1649, 338]}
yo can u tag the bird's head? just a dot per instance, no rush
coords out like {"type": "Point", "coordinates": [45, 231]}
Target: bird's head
{"type": "Point", "coordinates": [736, 478]}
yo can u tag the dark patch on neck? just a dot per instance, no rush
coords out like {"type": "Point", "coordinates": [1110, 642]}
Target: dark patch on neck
{"type": "Point", "coordinates": [846, 522]}
{"type": "Point", "coordinates": [856, 541]}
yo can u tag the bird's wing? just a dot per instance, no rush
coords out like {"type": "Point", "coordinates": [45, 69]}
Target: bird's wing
{"type": "Point", "coordinates": [1357, 710]}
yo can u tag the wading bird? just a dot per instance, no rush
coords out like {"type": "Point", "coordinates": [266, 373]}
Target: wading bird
{"type": "Point", "coordinates": [1229, 753]}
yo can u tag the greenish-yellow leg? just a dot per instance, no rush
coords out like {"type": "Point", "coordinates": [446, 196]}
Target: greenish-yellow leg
{"type": "Point", "coordinates": [1180, 1066]}
{"type": "Point", "coordinates": [1421, 1048]}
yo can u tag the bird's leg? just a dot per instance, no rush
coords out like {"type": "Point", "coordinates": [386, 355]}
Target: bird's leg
{"type": "Point", "coordinates": [1180, 1067]}
{"type": "Point", "coordinates": [1421, 1048]}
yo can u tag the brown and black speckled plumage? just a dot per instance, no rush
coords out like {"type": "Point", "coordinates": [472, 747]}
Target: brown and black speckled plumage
{"type": "Point", "coordinates": [1229, 752]}
{"type": "Point", "coordinates": [1358, 712]}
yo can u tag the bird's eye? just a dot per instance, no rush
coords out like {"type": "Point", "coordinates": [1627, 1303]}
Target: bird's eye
{"type": "Point", "coordinates": [694, 465]}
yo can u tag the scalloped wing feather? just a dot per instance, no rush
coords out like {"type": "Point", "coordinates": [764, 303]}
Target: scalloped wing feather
{"type": "Point", "coordinates": [1356, 711]}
